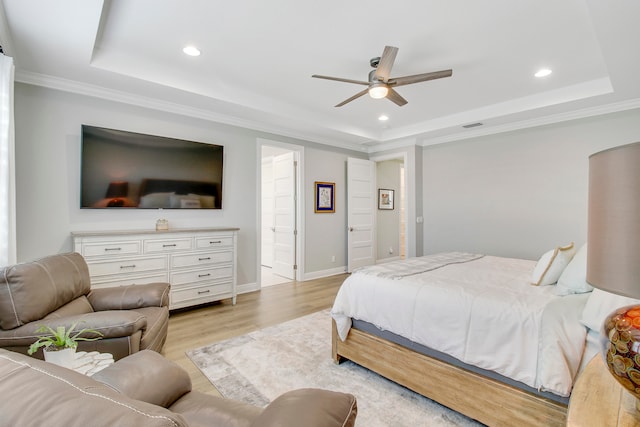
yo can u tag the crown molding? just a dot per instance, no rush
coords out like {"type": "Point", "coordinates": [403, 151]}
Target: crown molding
{"type": "Point", "coordinates": [369, 147]}
{"type": "Point", "coordinates": [100, 92]}
{"type": "Point", "coordinates": [583, 113]}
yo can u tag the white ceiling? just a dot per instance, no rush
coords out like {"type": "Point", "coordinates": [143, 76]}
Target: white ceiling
{"type": "Point", "coordinates": [258, 57]}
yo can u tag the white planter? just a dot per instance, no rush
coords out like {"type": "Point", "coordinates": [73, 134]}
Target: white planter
{"type": "Point", "coordinates": [66, 357]}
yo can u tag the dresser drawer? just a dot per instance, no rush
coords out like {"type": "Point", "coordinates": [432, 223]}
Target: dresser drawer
{"type": "Point", "coordinates": [127, 266]}
{"type": "Point", "coordinates": [203, 259]}
{"type": "Point", "coordinates": [208, 274]}
{"type": "Point", "coordinates": [204, 293]}
{"type": "Point", "coordinates": [167, 245]}
{"type": "Point", "coordinates": [108, 282]}
{"type": "Point", "coordinates": [214, 242]}
{"type": "Point", "coordinates": [111, 249]}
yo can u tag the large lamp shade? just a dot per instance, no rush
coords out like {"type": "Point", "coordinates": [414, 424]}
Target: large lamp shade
{"type": "Point", "coordinates": [613, 255]}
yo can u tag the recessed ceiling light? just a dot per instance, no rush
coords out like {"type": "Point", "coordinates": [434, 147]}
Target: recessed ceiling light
{"type": "Point", "coordinates": [543, 72]}
{"type": "Point", "coordinates": [191, 51]}
{"type": "Point", "coordinates": [383, 118]}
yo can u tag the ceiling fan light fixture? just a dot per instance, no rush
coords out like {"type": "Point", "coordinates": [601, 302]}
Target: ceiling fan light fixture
{"type": "Point", "coordinates": [191, 51]}
{"type": "Point", "coordinates": [543, 72]}
{"type": "Point", "coordinates": [378, 90]}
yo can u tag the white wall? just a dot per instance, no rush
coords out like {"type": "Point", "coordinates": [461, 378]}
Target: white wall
{"type": "Point", "coordinates": [516, 194]}
{"type": "Point", "coordinates": [48, 167]}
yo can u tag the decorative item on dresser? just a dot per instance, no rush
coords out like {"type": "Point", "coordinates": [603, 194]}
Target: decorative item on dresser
{"type": "Point", "coordinates": [613, 256]}
{"type": "Point", "coordinates": [199, 263]}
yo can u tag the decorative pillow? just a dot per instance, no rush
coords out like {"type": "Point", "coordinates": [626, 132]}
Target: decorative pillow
{"type": "Point", "coordinates": [573, 279]}
{"type": "Point", "coordinates": [551, 265]}
{"type": "Point", "coordinates": [190, 203]}
{"type": "Point", "coordinates": [601, 304]}
{"type": "Point", "coordinates": [176, 200]}
{"type": "Point", "coordinates": [155, 200]}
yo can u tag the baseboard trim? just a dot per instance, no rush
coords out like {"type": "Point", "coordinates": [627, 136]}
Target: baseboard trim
{"type": "Point", "coordinates": [325, 273]}
{"type": "Point", "coordinates": [247, 287]}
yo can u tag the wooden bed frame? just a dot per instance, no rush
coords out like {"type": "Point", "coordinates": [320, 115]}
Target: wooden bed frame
{"type": "Point", "coordinates": [476, 396]}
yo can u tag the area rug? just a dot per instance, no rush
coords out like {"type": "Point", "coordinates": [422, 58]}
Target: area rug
{"type": "Point", "coordinates": [258, 367]}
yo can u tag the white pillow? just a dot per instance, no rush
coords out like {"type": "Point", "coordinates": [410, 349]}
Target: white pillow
{"type": "Point", "coordinates": [176, 200]}
{"type": "Point", "coordinates": [190, 203]}
{"type": "Point", "coordinates": [601, 304]}
{"type": "Point", "coordinates": [205, 201]}
{"type": "Point", "coordinates": [573, 279]}
{"type": "Point", "coordinates": [551, 265]}
{"type": "Point", "coordinates": [155, 200]}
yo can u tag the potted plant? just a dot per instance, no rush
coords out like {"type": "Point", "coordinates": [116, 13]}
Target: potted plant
{"type": "Point", "coordinates": [59, 345]}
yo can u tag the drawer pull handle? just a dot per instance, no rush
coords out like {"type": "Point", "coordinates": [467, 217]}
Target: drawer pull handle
{"type": "Point", "coordinates": [204, 275]}
{"type": "Point", "coordinates": [112, 249]}
{"type": "Point", "coordinates": [215, 242]}
{"type": "Point", "coordinates": [204, 292]}
{"type": "Point", "coordinates": [169, 246]}
{"type": "Point", "coordinates": [128, 266]}
{"type": "Point", "coordinates": [204, 259]}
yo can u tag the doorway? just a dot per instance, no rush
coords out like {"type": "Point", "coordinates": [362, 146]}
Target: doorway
{"type": "Point", "coordinates": [280, 197]}
{"type": "Point", "coordinates": [390, 219]}
{"type": "Point", "coordinates": [376, 231]}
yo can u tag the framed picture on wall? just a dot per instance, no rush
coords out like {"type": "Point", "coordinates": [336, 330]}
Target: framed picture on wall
{"type": "Point", "coordinates": [385, 198]}
{"type": "Point", "coordinates": [325, 197]}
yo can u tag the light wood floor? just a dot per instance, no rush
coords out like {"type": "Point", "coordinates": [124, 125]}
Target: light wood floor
{"type": "Point", "coordinates": [200, 326]}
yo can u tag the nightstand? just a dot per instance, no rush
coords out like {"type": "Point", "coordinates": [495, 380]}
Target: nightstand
{"type": "Point", "coordinates": [598, 400]}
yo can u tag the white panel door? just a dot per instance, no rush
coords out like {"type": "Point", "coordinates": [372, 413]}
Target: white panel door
{"type": "Point", "coordinates": [267, 212]}
{"type": "Point", "coordinates": [284, 215]}
{"type": "Point", "coordinates": [361, 205]}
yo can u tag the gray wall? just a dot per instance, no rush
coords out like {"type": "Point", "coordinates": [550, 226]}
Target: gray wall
{"type": "Point", "coordinates": [326, 233]}
{"type": "Point", "coordinates": [47, 131]}
{"type": "Point", "coordinates": [516, 194]}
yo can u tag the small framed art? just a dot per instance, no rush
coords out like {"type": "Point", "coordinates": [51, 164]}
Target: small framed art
{"type": "Point", "coordinates": [325, 197]}
{"type": "Point", "coordinates": [385, 198]}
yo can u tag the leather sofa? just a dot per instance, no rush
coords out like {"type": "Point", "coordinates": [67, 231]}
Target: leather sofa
{"type": "Point", "coordinates": [145, 389]}
{"type": "Point", "coordinates": [56, 291]}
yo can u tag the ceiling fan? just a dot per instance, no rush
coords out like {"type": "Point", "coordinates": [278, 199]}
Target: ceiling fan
{"type": "Point", "coordinates": [380, 84]}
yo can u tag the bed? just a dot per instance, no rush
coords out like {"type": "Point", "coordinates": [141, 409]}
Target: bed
{"type": "Point", "coordinates": [472, 332]}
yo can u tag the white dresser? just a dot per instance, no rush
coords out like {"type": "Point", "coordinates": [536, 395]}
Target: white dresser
{"type": "Point", "coordinates": [199, 263]}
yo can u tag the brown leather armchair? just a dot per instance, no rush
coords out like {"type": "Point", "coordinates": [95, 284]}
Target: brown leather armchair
{"type": "Point", "coordinates": [56, 291]}
{"type": "Point", "coordinates": [145, 389]}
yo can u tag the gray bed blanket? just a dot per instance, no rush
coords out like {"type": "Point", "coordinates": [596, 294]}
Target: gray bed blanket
{"type": "Point", "coordinates": [411, 266]}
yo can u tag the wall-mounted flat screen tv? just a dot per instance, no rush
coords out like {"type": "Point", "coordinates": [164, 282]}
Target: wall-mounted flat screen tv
{"type": "Point", "coordinates": [123, 169]}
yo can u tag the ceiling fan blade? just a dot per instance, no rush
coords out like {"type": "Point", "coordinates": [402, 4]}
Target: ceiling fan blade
{"type": "Point", "coordinates": [407, 80]}
{"type": "Point", "coordinates": [338, 79]}
{"type": "Point", "coordinates": [356, 96]}
{"type": "Point", "coordinates": [383, 71]}
{"type": "Point", "coordinates": [396, 98]}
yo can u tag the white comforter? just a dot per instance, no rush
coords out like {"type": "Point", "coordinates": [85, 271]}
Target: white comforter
{"type": "Point", "coordinates": [483, 312]}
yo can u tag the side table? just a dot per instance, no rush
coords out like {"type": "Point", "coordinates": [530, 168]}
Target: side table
{"type": "Point", "coordinates": [89, 363]}
{"type": "Point", "coordinates": [599, 400]}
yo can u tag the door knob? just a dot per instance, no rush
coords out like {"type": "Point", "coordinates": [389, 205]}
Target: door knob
{"type": "Point", "coordinates": [350, 228]}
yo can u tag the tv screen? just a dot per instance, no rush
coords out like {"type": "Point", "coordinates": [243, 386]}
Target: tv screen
{"type": "Point", "coordinates": [131, 170]}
